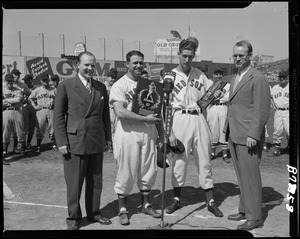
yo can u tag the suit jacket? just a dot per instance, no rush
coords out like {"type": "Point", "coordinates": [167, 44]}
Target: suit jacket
{"type": "Point", "coordinates": [81, 120]}
{"type": "Point", "coordinates": [248, 108]}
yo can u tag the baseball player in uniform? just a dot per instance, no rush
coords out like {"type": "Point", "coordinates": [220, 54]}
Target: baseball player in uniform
{"type": "Point", "coordinates": [280, 102]}
{"type": "Point", "coordinates": [110, 80]}
{"type": "Point", "coordinates": [29, 113]}
{"type": "Point", "coordinates": [54, 80]}
{"type": "Point", "coordinates": [216, 117]}
{"type": "Point", "coordinates": [20, 148]}
{"type": "Point", "coordinates": [190, 127]}
{"type": "Point", "coordinates": [42, 99]}
{"type": "Point", "coordinates": [12, 98]}
{"type": "Point", "coordinates": [134, 141]}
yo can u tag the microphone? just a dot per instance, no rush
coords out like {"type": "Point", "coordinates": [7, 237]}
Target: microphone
{"type": "Point", "coordinates": [168, 83]}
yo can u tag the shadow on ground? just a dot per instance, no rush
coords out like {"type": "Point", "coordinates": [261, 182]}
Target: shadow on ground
{"type": "Point", "coordinates": [190, 196]}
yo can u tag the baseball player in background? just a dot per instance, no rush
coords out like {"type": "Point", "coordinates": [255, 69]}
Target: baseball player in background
{"type": "Point", "coordinates": [190, 127]}
{"type": "Point", "coordinates": [29, 113]}
{"type": "Point", "coordinates": [280, 102]}
{"type": "Point", "coordinates": [42, 99]}
{"type": "Point", "coordinates": [216, 117]}
{"type": "Point", "coordinates": [12, 98]}
{"type": "Point", "coordinates": [20, 148]}
{"type": "Point", "coordinates": [54, 80]}
{"type": "Point", "coordinates": [110, 80]}
{"type": "Point", "coordinates": [134, 141]}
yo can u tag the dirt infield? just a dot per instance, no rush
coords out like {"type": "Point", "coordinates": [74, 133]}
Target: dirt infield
{"type": "Point", "coordinates": [37, 201]}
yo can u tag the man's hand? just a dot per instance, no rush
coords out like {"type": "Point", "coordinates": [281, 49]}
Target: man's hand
{"type": "Point", "coordinates": [218, 94]}
{"type": "Point", "coordinates": [251, 142]}
{"type": "Point", "coordinates": [151, 119]}
{"type": "Point", "coordinates": [108, 145]}
{"type": "Point", "coordinates": [37, 107]}
{"type": "Point", "coordinates": [64, 149]}
{"type": "Point", "coordinates": [172, 139]}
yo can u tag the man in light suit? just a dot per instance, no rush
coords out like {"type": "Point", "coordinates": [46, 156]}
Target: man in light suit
{"type": "Point", "coordinates": [248, 112]}
{"type": "Point", "coordinates": [83, 132]}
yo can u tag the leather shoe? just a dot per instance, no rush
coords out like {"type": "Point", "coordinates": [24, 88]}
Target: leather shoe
{"type": "Point", "coordinates": [250, 225]}
{"type": "Point", "coordinates": [226, 159]}
{"type": "Point", "coordinates": [236, 217]}
{"type": "Point", "coordinates": [73, 227]}
{"type": "Point", "coordinates": [214, 209]}
{"type": "Point", "coordinates": [123, 218]}
{"type": "Point", "coordinates": [150, 211]}
{"type": "Point", "coordinates": [99, 218]}
{"type": "Point", "coordinates": [173, 207]}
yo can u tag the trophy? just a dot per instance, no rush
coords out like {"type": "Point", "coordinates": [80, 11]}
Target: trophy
{"type": "Point", "coordinates": [208, 97]}
{"type": "Point", "coordinates": [148, 98]}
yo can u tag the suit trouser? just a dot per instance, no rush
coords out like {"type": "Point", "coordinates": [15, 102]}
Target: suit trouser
{"type": "Point", "coordinates": [76, 169]}
{"type": "Point", "coordinates": [247, 170]}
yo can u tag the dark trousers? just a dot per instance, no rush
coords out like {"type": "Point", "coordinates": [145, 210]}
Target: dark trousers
{"type": "Point", "coordinates": [246, 164]}
{"type": "Point", "coordinates": [76, 169]}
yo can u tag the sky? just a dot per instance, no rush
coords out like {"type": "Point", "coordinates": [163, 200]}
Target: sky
{"type": "Point", "coordinates": [264, 24]}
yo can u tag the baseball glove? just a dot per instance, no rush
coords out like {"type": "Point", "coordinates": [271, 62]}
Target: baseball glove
{"type": "Point", "coordinates": [178, 148]}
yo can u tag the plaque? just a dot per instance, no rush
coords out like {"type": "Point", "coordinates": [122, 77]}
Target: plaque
{"type": "Point", "coordinates": [208, 97]}
{"type": "Point", "coordinates": [148, 98]}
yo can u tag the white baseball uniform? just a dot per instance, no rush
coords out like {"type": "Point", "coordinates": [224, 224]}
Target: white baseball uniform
{"type": "Point", "coordinates": [13, 121]}
{"type": "Point", "coordinates": [45, 99]}
{"type": "Point", "coordinates": [191, 129]}
{"type": "Point", "coordinates": [134, 144]}
{"type": "Point", "coordinates": [280, 98]}
{"type": "Point", "coordinates": [20, 132]}
{"type": "Point", "coordinates": [216, 116]}
{"type": "Point", "coordinates": [29, 114]}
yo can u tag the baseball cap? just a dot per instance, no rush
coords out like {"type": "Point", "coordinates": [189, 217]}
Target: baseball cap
{"type": "Point", "coordinates": [54, 77]}
{"type": "Point", "coordinates": [27, 77]}
{"type": "Point", "coordinates": [15, 72]}
{"type": "Point", "coordinates": [45, 77]}
{"type": "Point", "coordinates": [9, 77]}
{"type": "Point", "coordinates": [283, 74]}
{"type": "Point", "coordinates": [218, 71]}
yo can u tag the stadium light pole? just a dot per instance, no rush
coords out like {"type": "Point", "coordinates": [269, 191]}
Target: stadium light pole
{"type": "Point", "coordinates": [155, 50]}
{"type": "Point", "coordinates": [63, 43]}
{"type": "Point", "coordinates": [122, 49]}
{"type": "Point", "coordinates": [42, 42]}
{"type": "Point", "coordinates": [19, 33]}
{"type": "Point", "coordinates": [103, 47]}
{"type": "Point", "coordinates": [84, 37]}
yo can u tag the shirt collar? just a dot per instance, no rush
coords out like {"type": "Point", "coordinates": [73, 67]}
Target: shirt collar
{"type": "Point", "coordinates": [83, 80]}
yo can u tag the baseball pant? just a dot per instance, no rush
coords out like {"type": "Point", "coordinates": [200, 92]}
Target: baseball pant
{"type": "Point", "coordinates": [135, 152]}
{"type": "Point", "coordinates": [216, 117]}
{"type": "Point", "coordinates": [193, 132]}
{"type": "Point", "coordinates": [281, 124]}
{"type": "Point", "coordinates": [13, 123]}
{"type": "Point", "coordinates": [44, 122]}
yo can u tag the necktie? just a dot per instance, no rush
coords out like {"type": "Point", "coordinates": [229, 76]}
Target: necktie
{"type": "Point", "coordinates": [237, 80]}
{"type": "Point", "coordinates": [88, 87]}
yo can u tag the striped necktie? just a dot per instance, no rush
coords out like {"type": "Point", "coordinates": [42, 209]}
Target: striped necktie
{"type": "Point", "coordinates": [88, 87]}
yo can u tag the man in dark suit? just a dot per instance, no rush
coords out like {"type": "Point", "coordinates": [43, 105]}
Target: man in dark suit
{"type": "Point", "coordinates": [248, 112]}
{"type": "Point", "coordinates": [83, 132]}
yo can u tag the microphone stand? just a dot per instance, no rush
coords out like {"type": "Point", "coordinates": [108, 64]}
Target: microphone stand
{"type": "Point", "coordinates": [167, 127]}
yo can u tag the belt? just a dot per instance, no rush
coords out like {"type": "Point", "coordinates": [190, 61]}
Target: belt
{"type": "Point", "coordinates": [191, 112]}
{"type": "Point", "coordinates": [219, 103]}
{"type": "Point", "coordinates": [283, 108]}
{"type": "Point", "coordinates": [12, 108]}
{"type": "Point", "coordinates": [49, 108]}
